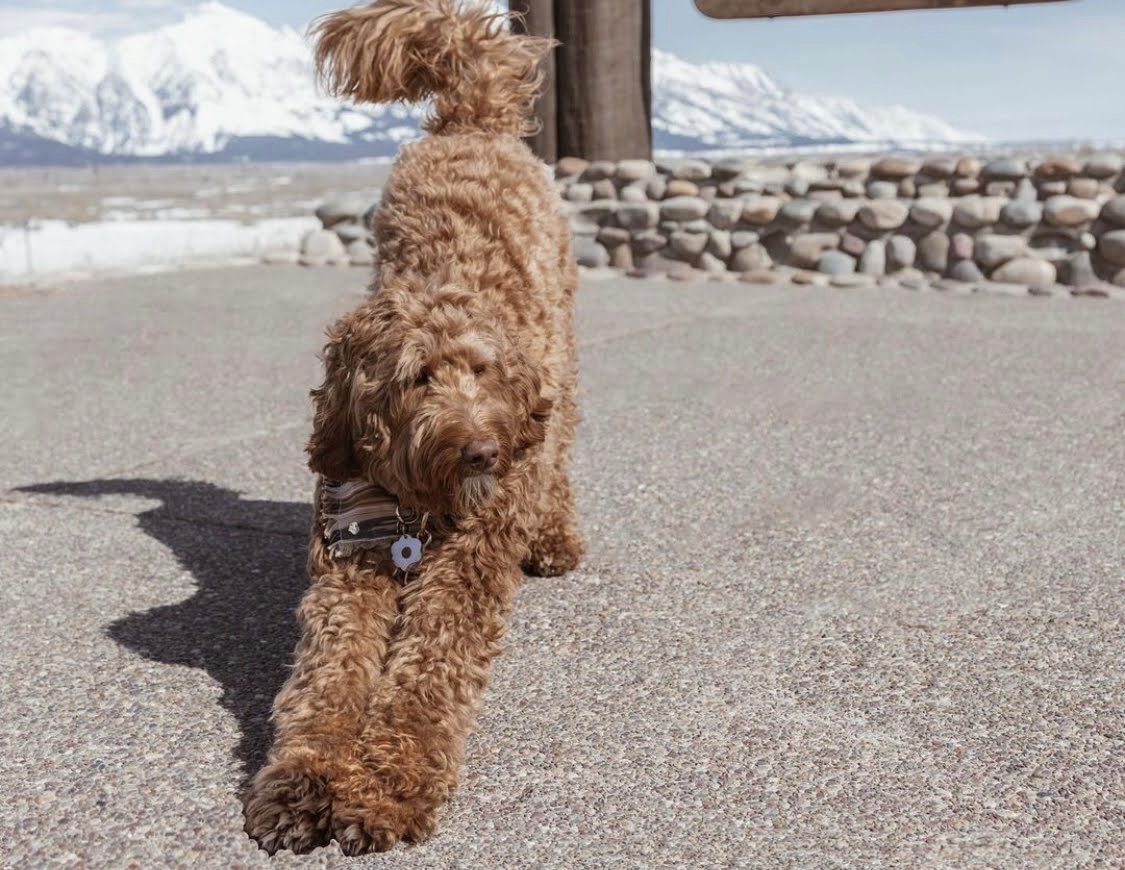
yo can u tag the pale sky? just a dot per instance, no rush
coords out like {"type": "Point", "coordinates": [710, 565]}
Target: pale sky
{"type": "Point", "coordinates": [1042, 71]}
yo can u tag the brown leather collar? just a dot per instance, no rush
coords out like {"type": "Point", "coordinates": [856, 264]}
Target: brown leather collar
{"type": "Point", "coordinates": [359, 515]}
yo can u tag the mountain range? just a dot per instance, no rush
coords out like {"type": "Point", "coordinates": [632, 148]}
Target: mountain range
{"type": "Point", "coordinates": [222, 85]}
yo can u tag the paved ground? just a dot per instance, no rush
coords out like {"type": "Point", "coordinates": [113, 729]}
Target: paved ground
{"type": "Point", "coordinates": [854, 598]}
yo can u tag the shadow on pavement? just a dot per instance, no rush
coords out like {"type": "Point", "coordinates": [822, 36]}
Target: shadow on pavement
{"type": "Point", "coordinates": [248, 561]}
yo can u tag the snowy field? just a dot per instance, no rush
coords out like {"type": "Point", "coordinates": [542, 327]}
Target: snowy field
{"type": "Point", "coordinates": [56, 248]}
{"type": "Point", "coordinates": [63, 222]}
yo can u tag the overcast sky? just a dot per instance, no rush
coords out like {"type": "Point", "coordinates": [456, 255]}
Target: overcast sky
{"type": "Point", "coordinates": [1043, 71]}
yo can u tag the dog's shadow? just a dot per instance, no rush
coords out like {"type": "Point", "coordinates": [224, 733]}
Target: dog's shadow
{"type": "Point", "coordinates": [248, 561]}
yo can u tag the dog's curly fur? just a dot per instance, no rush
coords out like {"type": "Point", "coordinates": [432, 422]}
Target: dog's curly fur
{"type": "Point", "coordinates": [466, 337]}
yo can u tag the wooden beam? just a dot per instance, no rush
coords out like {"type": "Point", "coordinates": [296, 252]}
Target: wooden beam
{"type": "Point", "coordinates": [784, 8]}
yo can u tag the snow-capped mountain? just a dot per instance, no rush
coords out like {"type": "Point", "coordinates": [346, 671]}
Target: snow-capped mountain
{"type": "Point", "coordinates": [223, 84]}
{"type": "Point", "coordinates": [737, 105]}
{"type": "Point", "coordinates": [218, 82]}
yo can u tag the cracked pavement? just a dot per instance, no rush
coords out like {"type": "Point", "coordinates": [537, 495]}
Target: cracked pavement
{"type": "Point", "coordinates": [854, 594]}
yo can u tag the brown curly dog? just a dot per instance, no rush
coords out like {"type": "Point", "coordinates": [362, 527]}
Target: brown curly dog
{"type": "Point", "coordinates": [448, 394]}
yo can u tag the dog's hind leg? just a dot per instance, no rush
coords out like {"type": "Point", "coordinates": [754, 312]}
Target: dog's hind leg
{"type": "Point", "coordinates": [346, 619]}
{"type": "Point", "coordinates": [556, 545]}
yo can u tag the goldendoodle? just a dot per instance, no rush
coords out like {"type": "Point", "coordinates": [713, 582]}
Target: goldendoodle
{"type": "Point", "coordinates": [441, 437]}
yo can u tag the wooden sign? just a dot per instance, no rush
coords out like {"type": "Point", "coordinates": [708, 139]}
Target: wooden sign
{"type": "Point", "coordinates": [782, 8]}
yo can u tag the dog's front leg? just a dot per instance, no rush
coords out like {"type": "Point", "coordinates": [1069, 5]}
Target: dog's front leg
{"type": "Point", "coordinates": [345, 619]}
{"type": "Point", "coordinates": [450, 628]}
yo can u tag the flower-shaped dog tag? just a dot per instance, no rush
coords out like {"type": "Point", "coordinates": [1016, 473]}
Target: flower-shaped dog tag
{"type": "Point", "coordinates": [406, 552]}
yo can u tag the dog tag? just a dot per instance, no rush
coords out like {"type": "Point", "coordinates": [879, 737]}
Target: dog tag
{"type": "Point", "coordinates": [406, 552]}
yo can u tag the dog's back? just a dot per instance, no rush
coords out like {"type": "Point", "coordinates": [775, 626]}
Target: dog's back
{"type": "Point", "coordinates": [469, 204]}
{"type": "Point", "coordinates": [478, 211]}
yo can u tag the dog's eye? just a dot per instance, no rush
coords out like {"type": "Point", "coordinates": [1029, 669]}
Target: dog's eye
{"type": "Point", "coordinates": [422, 379]}
{"type": "Point", "coordinates": [479, 369]}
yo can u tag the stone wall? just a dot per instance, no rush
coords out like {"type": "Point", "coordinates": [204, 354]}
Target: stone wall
{"type": "Point", "coordinates": [1037, 223]}
{"type": "Point", "coordinates": [1047, 224]}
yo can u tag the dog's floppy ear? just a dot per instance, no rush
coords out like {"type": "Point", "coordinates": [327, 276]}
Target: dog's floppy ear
{"type": "Point", "coordinates": [535, 406]}
{"type": "Point", "coordinates": [534, 430]}
{"type": "Point", "coordinates": [331, 447]}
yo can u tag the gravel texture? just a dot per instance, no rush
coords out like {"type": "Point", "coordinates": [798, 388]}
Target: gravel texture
{"type": "Point", "coordinates": [854, 594]}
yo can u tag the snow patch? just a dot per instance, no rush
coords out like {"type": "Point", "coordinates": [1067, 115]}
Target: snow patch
{"type": "Point", "coordinates": [53, 248]}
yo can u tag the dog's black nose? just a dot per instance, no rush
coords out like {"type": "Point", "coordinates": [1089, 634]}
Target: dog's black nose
{"type": "Point", "coordinates": [480, 454]}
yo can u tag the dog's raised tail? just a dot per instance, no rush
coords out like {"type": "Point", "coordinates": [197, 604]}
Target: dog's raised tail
{"type": "Point", "coordinates": [481, 76]}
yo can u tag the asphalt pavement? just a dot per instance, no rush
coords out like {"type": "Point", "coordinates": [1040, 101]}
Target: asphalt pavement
{"type": "Point", "coordinates": [854, 597]}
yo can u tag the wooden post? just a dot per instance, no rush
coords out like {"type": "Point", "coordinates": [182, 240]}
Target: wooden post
{"type": "Point", "coordinates": [537, 17]}
{"type": "Point", "coordinates": [602, 95]}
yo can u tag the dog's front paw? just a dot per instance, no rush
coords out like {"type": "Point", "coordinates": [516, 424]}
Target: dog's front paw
{"type": "Point", "coordinates": [289, 806]}
{"type": "Point", "coordinates": [377, 824]}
